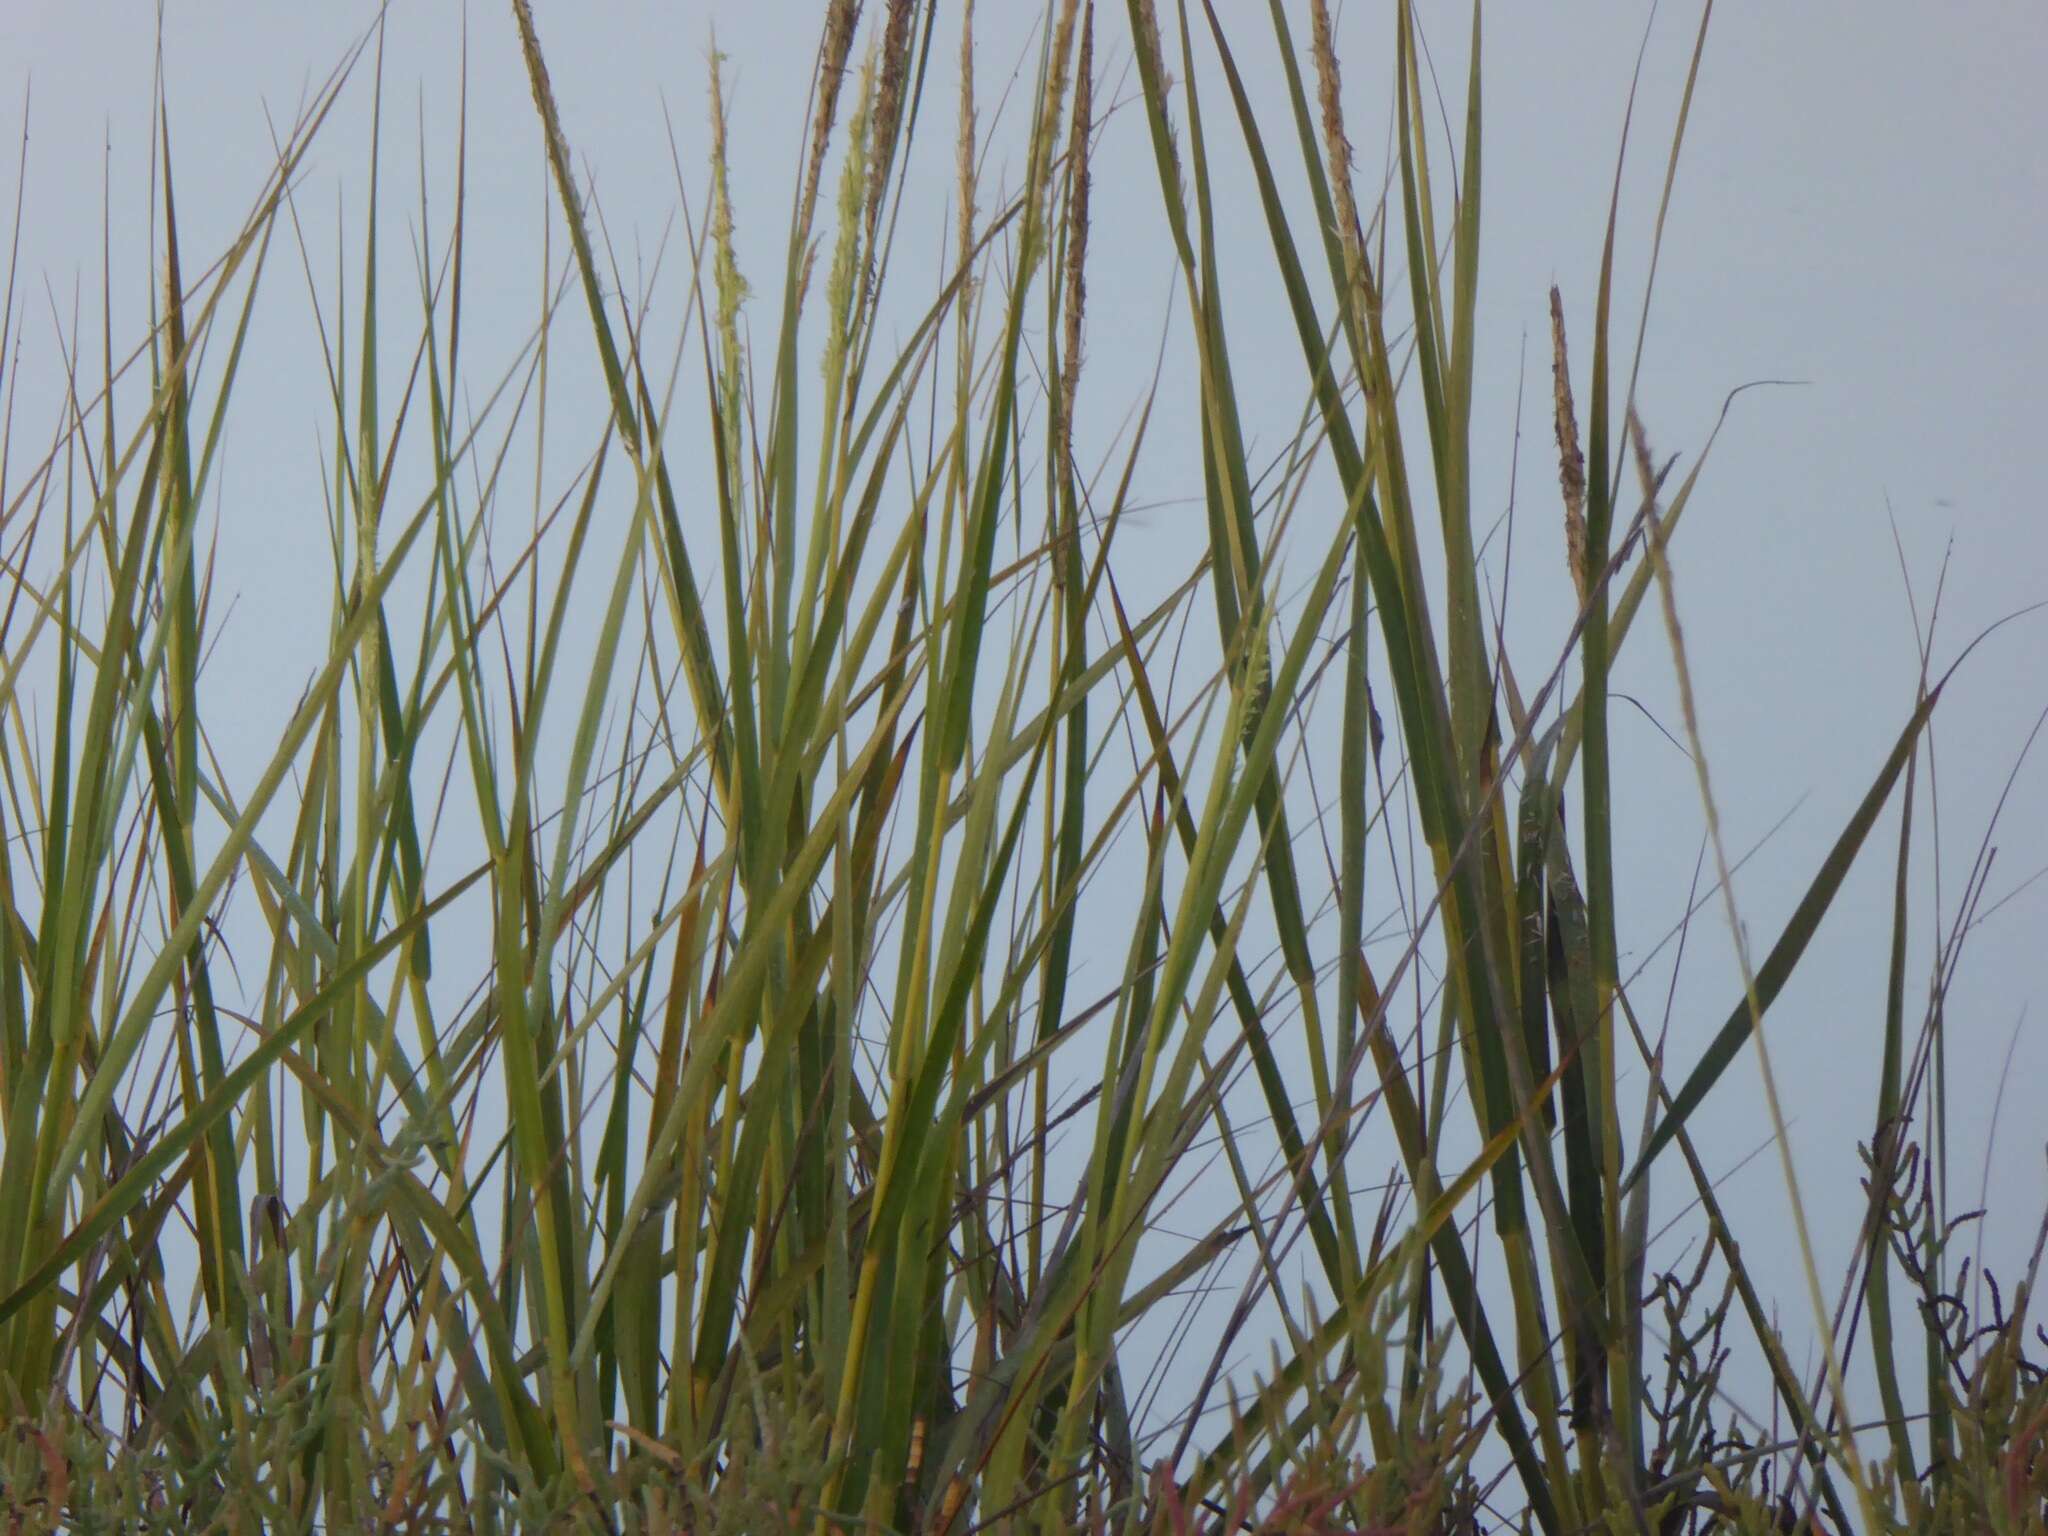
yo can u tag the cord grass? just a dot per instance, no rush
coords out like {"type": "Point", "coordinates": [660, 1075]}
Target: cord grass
{"type": "Point", "coordinates": [746, 969]}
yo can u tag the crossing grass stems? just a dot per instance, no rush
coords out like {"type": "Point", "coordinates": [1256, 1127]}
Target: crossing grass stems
{"type": "Point", "coordinates": [793, 1215]}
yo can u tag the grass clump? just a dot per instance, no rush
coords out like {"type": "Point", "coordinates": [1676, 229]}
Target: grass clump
{"type": "Point", "coordinates": [664, 1078]}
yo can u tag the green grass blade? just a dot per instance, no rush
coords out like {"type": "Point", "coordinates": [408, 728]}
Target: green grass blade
{"type": "Point", "coordinates": [1771, 976]}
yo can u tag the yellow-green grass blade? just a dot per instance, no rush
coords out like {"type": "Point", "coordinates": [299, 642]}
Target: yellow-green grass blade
{"type": "Point", "coordinates": [738, 1229]}
{"type": "Point", "coordinates": [1887, 1149]}
{"type": "Point", "coordinates": [1432, 1223]}
{"type": "Point", "coordinates": [1439, 388]}
{"type": "Point", "coordinates": [1453, 1268]}
{"type": "Point", "coordinates": [699, 663]}
{"type": "Point", "coordinates": [74, 869]}
{"type": "Point", "coordinates": [1574, 1006]}
{"type": "Point", "coordinates": [175, 1142]}
{"type": "Point", "coordinates": [1279, 1102]}
{"type": "Point", "coordinates": [737, 999]}
{"type": "Point", "coordinates": [1230, 514]}
{"type": "Point", "coordinates": [513, 1421]}
{"type": "Point", "coordinates": [126, 1038]}
{"type": "Point", "coordinates": [77, 851]}
{"type": "Point", "coordinates": [772, 1108]}
{"type": "Point", "coordinates": [1453, 774]}
{"type": "Point", "coordinates": [917, 1156]}
{"type": "Point", "coordinates": [1231, 802]}
{"type": "Point", "coordinates": [1410, 647]}
{"type": "Point", "coordinates": [1763, 1327]}
{"type": "Point", "coordinates": [1235, 570]}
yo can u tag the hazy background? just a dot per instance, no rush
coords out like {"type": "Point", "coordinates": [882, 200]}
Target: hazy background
{"type": "Point", "coordinates": [1859, 208]}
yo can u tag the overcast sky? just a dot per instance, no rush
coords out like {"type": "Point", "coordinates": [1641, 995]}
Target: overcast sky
{"type": "Point", "coordinates": [1859, 208]}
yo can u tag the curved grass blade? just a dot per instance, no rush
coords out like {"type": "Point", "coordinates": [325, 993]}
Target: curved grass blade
{"type": "Point", "coordinates": [1777, 967]}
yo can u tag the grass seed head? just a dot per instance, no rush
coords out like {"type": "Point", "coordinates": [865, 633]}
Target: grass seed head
{"type": "Point", "coordinates": [1076, 295]}
{"type": "Point", "coordinates": [1336, 143]}
{"type": "Point", "coordinates": [889, 104]}
{"type": "Point", "coordinates": [835, 46]}
{"type": "Point", "coordinates": [1571, 463]}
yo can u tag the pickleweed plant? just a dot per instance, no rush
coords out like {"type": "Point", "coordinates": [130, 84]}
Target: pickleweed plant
{"type": "Point", "coordinates": [759, 970]}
